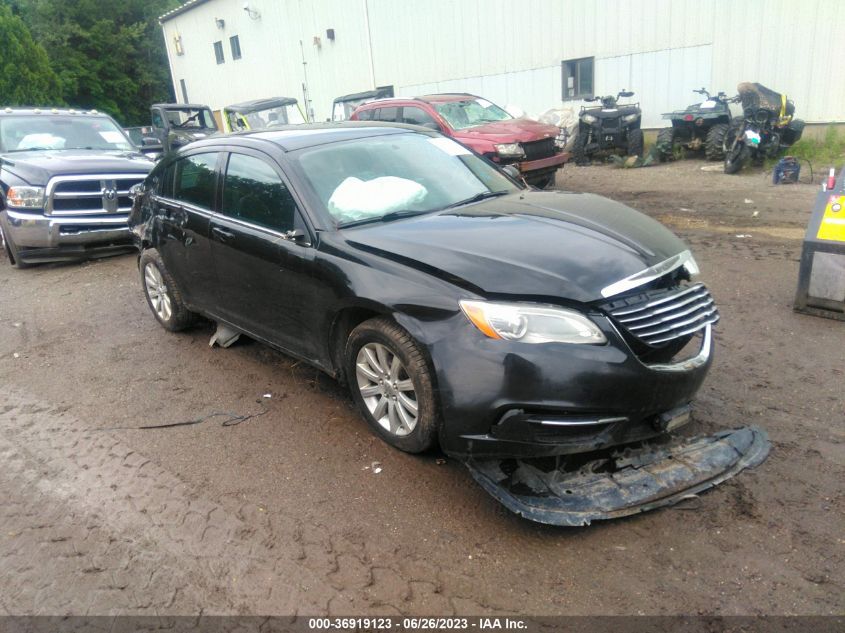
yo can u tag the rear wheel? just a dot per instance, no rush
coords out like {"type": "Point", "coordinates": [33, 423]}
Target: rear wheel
{"type": "Point", "coordinates": [635, 143]}
{"type": "Point", "coordinates": [666, 143]}
{"type": "Point", "coordinates": [714, 142]}
{"type": "Point", "coordinates": [392, 384]}
{"type": "Point", "coordinates": [162, 295]}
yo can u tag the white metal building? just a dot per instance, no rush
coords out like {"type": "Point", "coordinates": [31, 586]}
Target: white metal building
{"type": "Point", "coordinates": [535, 54]}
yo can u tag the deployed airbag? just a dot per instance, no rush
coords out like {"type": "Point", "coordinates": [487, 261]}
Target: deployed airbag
{"type": "Point", "coordinates": [623, 483]}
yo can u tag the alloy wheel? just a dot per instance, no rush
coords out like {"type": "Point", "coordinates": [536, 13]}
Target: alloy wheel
{"type": "Point", "coordinates": [157, 292]}
{"type": "Point", "coordinates": [387, 389]}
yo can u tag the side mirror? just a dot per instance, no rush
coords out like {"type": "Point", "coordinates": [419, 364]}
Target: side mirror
{"type": "Point", "coordinates": [513, 172]}
{"type": "Point", "coordinates": [297, 236]}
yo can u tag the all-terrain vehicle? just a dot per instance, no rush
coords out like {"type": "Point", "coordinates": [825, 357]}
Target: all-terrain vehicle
{"type": "Point", "coordinates": [701, 126]}
{"type": "Point", "coordinates": [608, 126]}
{"type": "Point", "coordinates": [766, 126]}
{"type": "Point", "coordinates": [177, 124]}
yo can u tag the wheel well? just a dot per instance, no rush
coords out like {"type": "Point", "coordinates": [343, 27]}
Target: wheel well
{"type": "Point", "coordinates": [344, 322]}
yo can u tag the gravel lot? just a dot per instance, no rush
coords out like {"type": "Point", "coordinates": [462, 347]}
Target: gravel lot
{"type": "Point", "coordinates": [285, 513]}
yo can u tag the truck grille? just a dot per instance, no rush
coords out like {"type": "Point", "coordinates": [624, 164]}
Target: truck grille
{"type": "Point", "coordinates": [536, 150]}
{"type": "Point", "coordinates": [91, 195]}
{"type": "Point", "coordinates": [658, 316]}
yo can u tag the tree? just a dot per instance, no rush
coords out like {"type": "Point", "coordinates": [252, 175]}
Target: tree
{"type": "Point", "coordinates": [108, 55]}
{"type": "Point", "coordinates": [25, 74]}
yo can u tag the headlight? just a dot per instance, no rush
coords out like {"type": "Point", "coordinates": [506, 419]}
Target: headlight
{"type": "Point", "coordinates": [589, 119]}
{"type": "Point", "coordinates": [26, 197]}
{"type": "Point", "coordinates": [630, 118]}
{"type": "Point", "coordinates": [691, 266]}
{"type": "Point", "coordinates": [510, 149]}
{"type": "Point", "coordinates": [137, 190]}
{"type": "Point", "coordinates": [531, 323]}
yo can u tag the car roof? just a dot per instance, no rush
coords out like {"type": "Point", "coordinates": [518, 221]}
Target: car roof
{"type": "Point", "coordinates": [294, 137]}
{"type": "Point", "coordinates": [447, 96]}
{"type": "Point", "coordinates": [49, 110]}
{"type": "Point", "coordinates": [181, 106]}
{"type": "Point", "coordinates": [434, 98]}
{"type": "Point", "coordinates": [261, 104]}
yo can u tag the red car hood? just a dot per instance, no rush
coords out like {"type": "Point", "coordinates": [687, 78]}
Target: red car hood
{"type": "Point", "coordinates": [508, 131]}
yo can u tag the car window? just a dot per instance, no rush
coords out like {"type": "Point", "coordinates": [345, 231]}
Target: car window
{"type": "Point", "coordinates": [157, 120]}
{"type": "Point", "coordinates": [371, 177]}
{"type": "Point", "coordinates": [194, 179]}
{"type": "Point", "coordinates": [418, 116]}
{"type": "Point", "coordinates": [254, 192]}
{"type": "Point", "coordinates": [366, 115]}
{"type": "Point", "coordinates": [388, 114]}
{"type": "Point", "coordinates": [470, 112]}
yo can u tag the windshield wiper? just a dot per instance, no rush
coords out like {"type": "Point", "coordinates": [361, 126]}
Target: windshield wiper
{"type": "Point", "coordinates": [387, 217]}
{"type": "Point", "coordinates": [484, 195]}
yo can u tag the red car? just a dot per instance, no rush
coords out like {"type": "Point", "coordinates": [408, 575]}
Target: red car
{"type": "Point", "coordinates": [480, 125]}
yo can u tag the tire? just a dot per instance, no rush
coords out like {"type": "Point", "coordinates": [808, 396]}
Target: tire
{"type": "Point", "coordinates": [635, 143]}
{"type": "Point", "coordinates": [665, 144]}
{"type": "Point", "coordinates": [163, 296]}
{"type": "Point", "coordinates": [543, 183]}
{"type": "Point", "coordinates": [579, 148]}
{"type": "Point", "coordinates": [735, 157]}
{"type": "Point", "coordinates": [386, 392]}
{"type": "Point", "coordinates": [11, 250]}
{"type": "Point", "coordinates": [714, 142]}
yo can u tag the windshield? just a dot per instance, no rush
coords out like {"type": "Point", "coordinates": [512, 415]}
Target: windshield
{"type": "Point", "coordinates": [42, 132]}
{"type": "Point", "coordinates": [267, 118]}
{"type": "Point", "coordinates": [381, 177]}
{"type": "Point", "coordinates": [470, 113]}
{"type": "Point", "coordinates": [191, 118]}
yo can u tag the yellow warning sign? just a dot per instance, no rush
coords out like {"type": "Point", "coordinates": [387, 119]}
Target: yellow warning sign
{"type": "Point", "coordinates": [832, 226]}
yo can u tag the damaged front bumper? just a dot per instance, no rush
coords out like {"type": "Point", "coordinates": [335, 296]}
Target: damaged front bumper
{"type": "Point", "coordinates": [625, 482]}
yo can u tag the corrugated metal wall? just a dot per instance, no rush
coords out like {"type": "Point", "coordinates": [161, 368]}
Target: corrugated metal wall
{"type": "Point", "coordinates": [511, 52]}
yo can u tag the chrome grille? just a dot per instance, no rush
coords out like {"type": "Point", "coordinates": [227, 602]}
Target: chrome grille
{"type": "Point", "coordinates": [535, 150]}
{"type": "Point", "coordinates": [91, 194]}
{"type": "Point", "coordinates": [656, 317]}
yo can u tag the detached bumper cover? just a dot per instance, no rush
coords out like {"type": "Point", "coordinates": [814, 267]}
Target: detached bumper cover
{"type": "Point", "coordinates": [627, 482]}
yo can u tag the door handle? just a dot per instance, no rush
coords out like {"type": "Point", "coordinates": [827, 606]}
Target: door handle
{"type": "Point", "coordinates": [222, 234]}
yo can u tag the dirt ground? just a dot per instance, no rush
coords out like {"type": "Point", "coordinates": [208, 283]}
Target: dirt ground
{"type": "Point", "coordinates": [285, 512]}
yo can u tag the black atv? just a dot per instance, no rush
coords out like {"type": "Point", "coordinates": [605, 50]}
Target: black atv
{"type": "Point", "coordinates": [702, 125]}
{"type": "Point", "coordinates": [608, 126]}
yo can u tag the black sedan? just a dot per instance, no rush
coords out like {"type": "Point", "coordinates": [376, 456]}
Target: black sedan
{"type": "Point", "coordinates": [459, 306]}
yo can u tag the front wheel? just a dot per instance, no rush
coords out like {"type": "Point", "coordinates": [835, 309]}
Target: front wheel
{"type": "Point", "coordinates": [162, 295]}
{"type": "Point", "coordinates": [392, 384]}
{"type": "Point", "coordinates": [579, 148]}
{"type": "Point", "coordinates": [737, 152]}
{"type": "Point", "coordinates": [635, 143]}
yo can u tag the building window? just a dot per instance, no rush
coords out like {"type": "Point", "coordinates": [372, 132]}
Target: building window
{"type": "Point", "coordinates": [236, 47]}
{"type": "Point", "coordinates": [218, 52]}
{"type": "Point", "coordinates": [577, 78]}
{"type": "Point", "coordinates": [184, 91]}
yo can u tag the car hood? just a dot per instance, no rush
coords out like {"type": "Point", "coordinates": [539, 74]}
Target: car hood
{"type": "Point", "coordinates": [37, 167]}
{"type": "Point", "coordinates": [528, 244]}
{"type": "Point", "coordinates": [509, 131]}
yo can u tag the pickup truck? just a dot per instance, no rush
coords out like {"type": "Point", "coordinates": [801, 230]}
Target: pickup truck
{"type": "Point", "coordinates": [65, 177]}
